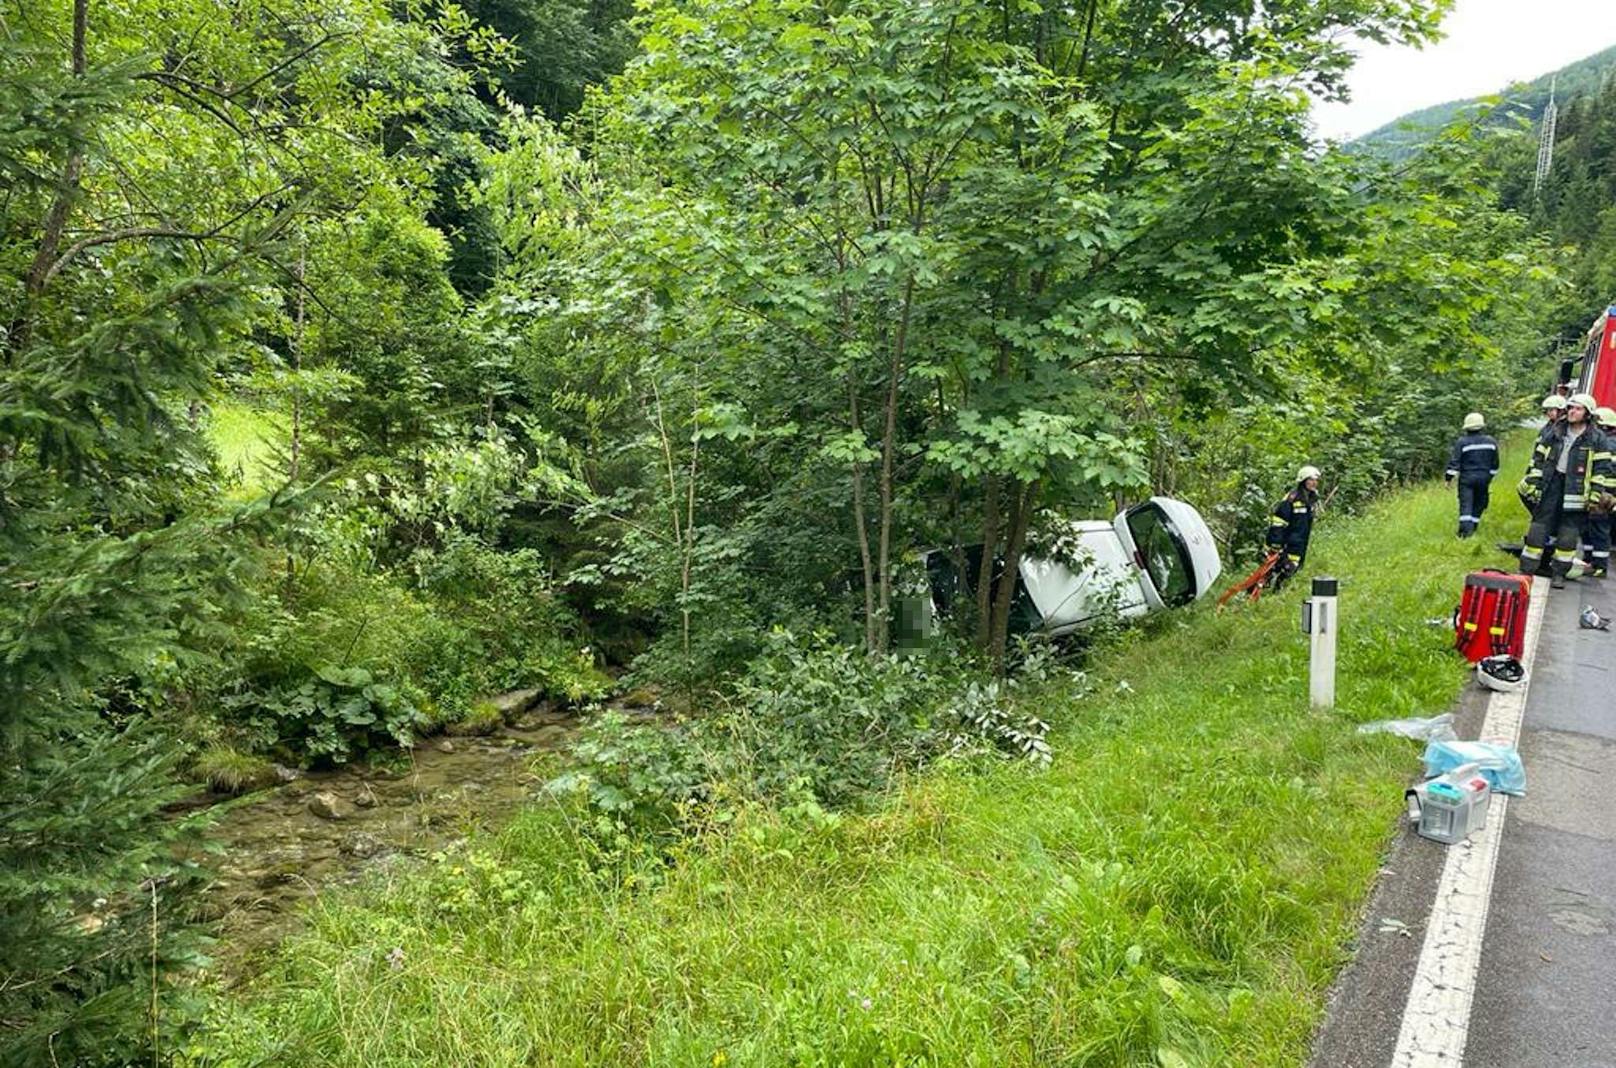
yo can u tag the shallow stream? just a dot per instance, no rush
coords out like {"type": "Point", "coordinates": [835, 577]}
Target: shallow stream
{"type": "Point", "coordinates": [283, 846]}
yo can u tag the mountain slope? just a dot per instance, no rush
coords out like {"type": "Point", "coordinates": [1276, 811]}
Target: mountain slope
{"type": "Point", "coordinates": [1414, 129]}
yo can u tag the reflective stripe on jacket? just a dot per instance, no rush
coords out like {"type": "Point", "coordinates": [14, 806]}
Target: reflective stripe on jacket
{"type": "Point", "coordinates": [1590, 469]}
{"type": "Point", "coordinates": [1475, 456]}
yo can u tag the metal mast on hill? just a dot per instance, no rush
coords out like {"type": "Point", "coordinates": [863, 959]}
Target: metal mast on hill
{"type": "Point", "coordinates": [1545, 145]}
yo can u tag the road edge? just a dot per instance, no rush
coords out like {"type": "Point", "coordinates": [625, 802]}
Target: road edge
{"type": "Point", "coordinates": [1436, 1017]}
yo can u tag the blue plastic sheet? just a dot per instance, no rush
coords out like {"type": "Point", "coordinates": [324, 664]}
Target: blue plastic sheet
{"type": "Point", "coordinates": [1501, 764]}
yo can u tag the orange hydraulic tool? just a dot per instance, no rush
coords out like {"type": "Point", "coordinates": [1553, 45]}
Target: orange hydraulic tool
{"type": "Point", "coordinates": [1252, 585]}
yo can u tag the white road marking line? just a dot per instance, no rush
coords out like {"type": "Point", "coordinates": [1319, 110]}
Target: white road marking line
{"type": "Point", "coordinates": [1436, 1020]}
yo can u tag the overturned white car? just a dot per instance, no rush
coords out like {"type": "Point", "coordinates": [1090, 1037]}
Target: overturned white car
{"type": "Point", "coordinates": [1152, 556]}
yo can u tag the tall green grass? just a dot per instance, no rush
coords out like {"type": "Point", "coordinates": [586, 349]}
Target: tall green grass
{"type": "Point", "coordinates": [1179, 888]}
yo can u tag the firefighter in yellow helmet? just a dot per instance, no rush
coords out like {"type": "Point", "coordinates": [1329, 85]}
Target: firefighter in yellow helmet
{"type": "Point", "coordinates": [1572, 473]}
{"type": "Point", "coordinates": [1596, 530]}
{"type": "Point", "coordinates": [1290, 526]}
{"type": "Point", "coordinates": [1474, 462]}
{"type": "Point", "coordinates": [1554, 407]}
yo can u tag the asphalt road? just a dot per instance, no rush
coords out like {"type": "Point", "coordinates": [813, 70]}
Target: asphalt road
{"type": "Point", "coordinates": [1546, 991]}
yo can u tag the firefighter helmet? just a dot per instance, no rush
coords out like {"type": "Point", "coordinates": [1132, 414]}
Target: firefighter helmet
{"type": "Point", "coordinates": [1555, 402]}
{"type": "Point", "coordinates": [1585, 401]}
{"type": "Point", "coordinates": [1502, 673]}
{"type": "Point", "coordinates": [1606, 416]}
{"type": "Point", "coordinates": [1306, 473]}
{"type": "Point", "coordinates": [1474, 421]}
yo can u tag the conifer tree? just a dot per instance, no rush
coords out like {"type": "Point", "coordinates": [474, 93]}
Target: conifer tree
{"type": "Point", "coordinates": [108, 572]}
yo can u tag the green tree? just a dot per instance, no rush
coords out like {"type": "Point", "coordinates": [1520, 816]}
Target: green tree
{"type": "Point", "coordinates": [561, 47]}
{"type": "Point", "coordinates": [163, 165]}
{"type": "Point", "coordinates": [936, 239]}
{"type": "Point", "coordinates": [102, 579]}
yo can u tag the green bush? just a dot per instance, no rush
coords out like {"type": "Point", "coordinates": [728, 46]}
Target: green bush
{"type": "Point", "coordinates": [525, 635]}
{"type": "Point", "coordinates": [344, 617]}
{"type": "Point", "coordinates": [329, 668]}
{"type": "Point", "coordinates": [810, 721]}
{"type": "Point", "coordinates": [342, 662]}
{"type": "Point", "coordinates": [341, 713]}
{"type": "Point", "coordinates": [644, 777]}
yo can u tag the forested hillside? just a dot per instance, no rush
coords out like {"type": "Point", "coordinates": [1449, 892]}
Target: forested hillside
{"type": "Point", "coordinates": [1576, 208]}
{"type": "Point", "coordinates": [1586, 77]}
{"type": "Point", "coordinates": [1573, 210]}
{"type": "Point", "coordinates": [364, 360]}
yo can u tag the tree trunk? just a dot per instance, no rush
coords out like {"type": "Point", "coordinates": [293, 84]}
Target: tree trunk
{"type": "Point", "coordinates": [860, 524]}
{"type": "Point", "coordinates": [1088, 39]}
{"type": "Point", "coordinates": [889, 448]}
{"type": "Point", "coordinates": [55, 221]}
{"type": "Point", "coordinates": [992, 527]}
{"type": "Point", "coordinates": [1026, 498]}
{"type": "Point", "coordinates": [295, 451]}
{"type": "Point", "coordinates": [667, 459]}
{"type": "Point", "coordinates": [984, 572]}
{"type": "Point", "coordinates": [688, 549]}
{"type": "Point", "coordinates": [683, 529]}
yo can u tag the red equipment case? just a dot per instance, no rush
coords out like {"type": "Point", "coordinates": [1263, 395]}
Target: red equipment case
{"type": "Point", "coordinates": [1491, 619]}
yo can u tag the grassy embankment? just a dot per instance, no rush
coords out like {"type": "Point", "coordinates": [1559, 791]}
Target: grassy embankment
{"type": "Point", "coordinates": [1179, 888]}
{"type": "Point", "coordinates": [248, 441]}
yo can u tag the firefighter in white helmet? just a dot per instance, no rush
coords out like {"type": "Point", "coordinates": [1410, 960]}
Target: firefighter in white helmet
{"type": "Point", "coordinates": [1572, 473]}
{"type": "Point", "coordinates": [1473, 462]}
{"type": "Point", "coordinates": [1554, 407]}
{"type": "Point", "coordinates": [1291, 525]}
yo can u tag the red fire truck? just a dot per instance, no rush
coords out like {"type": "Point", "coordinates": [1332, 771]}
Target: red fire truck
{"type": "Point", "coordinates": [1598, 372]}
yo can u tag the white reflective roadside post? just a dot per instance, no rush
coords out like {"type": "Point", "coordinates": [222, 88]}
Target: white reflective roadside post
{"type": "Point", "coordinates": [1320, 622]}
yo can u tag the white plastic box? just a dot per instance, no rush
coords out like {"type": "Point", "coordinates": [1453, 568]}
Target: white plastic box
{"type": "Point", "coordinates": [1451, 807]}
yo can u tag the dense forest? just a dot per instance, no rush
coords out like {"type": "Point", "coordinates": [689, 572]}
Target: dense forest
{"type": "Point", "coordinates": [1572, 210]}
{"type": "Point", "coordinates": [364, 360]}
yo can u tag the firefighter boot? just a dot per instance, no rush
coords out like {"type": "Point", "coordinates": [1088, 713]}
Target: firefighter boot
{"type": "Point", "coordinates": [1559, 570]}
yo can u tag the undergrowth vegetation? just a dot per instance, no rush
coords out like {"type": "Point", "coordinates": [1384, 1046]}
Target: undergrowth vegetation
{"type": "Point", "coordinates": [341, 662]}
{"type": "Point", "coordinates": [1176, 887]}
{"type": "Point", "coordinates": [379, 618]}
{"type": "Point", "coordinates": [812, 722]}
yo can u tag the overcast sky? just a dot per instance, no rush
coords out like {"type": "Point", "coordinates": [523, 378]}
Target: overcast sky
{"type": "Point", "coordinates": [1488, 45]}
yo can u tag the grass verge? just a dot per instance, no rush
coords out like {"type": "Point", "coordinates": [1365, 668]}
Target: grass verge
{"type": "Point", "coordinates": [1178, 888]}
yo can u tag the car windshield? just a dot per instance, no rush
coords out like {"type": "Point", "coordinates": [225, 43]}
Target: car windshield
{"type": "Point", "coordinates": [1162, 553]}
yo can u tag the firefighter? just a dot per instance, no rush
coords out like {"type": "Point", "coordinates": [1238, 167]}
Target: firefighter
{"type": "Point", "coordinates": [1554, 407]}
{"type": "Point", "coordinates": [1571, 470]}
{"type": "Point", "coordinates": [1291, 525]}
{"type": "Point", "coordinates": [1474, 462]}
{"type": "Point", "coordinates": [1596, 531]}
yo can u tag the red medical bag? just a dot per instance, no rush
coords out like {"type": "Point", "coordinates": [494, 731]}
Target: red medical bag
{"type": "Point", "coordinates": [1491, 620]}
